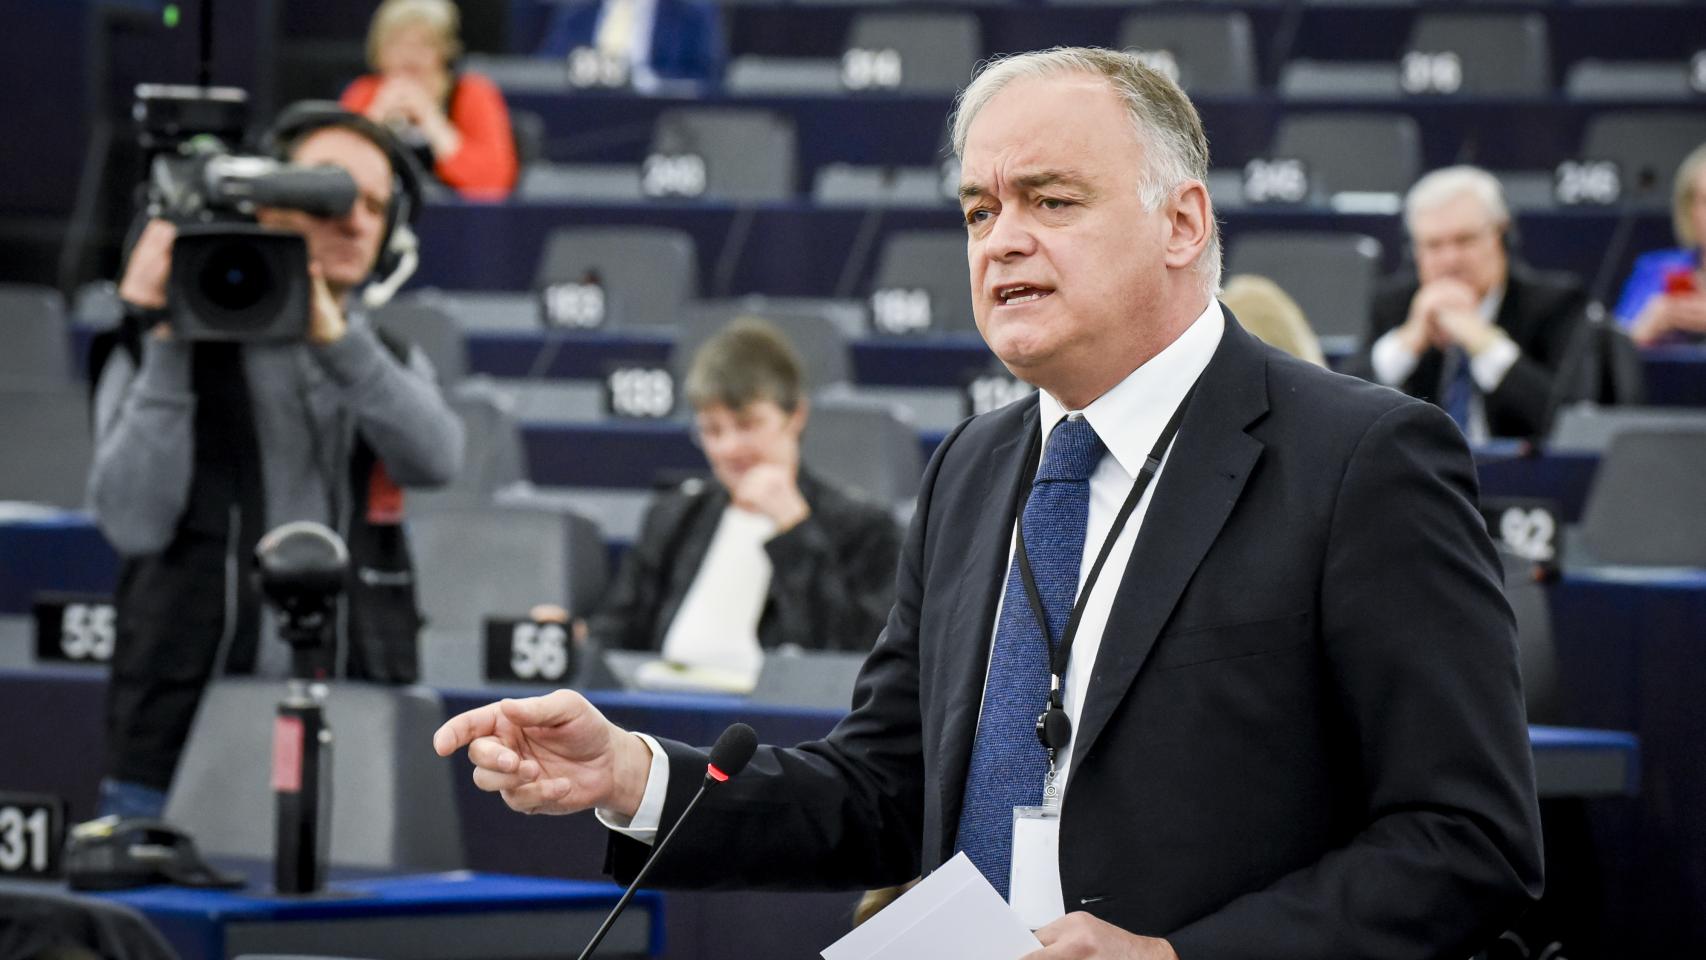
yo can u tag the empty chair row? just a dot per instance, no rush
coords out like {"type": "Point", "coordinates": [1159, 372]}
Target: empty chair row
{"type": "Point", "coordinates": [747, 155]}
{"type": "Point", "coordinates": [1210, 51]}
{"type": "Point", "coordinates": [730, 155]}
{"type": "Point", "coordinates": [1640, 510]}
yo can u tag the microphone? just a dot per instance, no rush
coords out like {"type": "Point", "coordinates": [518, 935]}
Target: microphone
{"type": "Point", "coordinates": [729, 756]}
{"type": "Point", "coordinates": [1581, 370]}
{"type": "Point", "coordinates": [1621, 231]}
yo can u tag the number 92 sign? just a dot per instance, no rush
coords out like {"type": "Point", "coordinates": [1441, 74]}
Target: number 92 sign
{"type": "Point", "coordinates": [1526, 527]}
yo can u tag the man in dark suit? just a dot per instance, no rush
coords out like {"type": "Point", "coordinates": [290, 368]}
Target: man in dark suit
{"type": "Point", "coordinates": [1475, 330]}
{"type": "Point", "coordinates": [1291, 723]}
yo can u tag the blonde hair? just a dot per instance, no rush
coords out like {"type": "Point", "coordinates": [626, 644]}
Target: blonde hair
{"type": "Point", "coordinates": [439, 16]}
{"type": "Point", "coordinates": [1268, 312]}
{"type": "Point", "coordinates": [1161, 115]}
{"type": "Point", "coordinates": [1682, 197]}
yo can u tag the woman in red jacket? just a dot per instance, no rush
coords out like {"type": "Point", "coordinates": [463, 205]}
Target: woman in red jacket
{"type": "Point", "coordinates": [455, 120]}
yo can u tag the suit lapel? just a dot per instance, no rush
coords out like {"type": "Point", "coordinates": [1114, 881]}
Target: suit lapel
{"type": "Point", "coordinates": [965, 661]}
{"type": "Point", "coordinates": [1512, 318]}
{"type": "Point", "coordinates": [1194, 494]}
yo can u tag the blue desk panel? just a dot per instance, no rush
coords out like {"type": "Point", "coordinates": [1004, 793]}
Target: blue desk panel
{"type": "Point", "coordinates": [65, 553]}
{"type": "Point", "coordinates": [1513, 469]}
{"type": "Point", "coordinates": [1631, 649]}
{"type": "Point", "coordinates": [633, 454]}
{"type": "Point", "coordinates": [446, 915]}
{"type": "Point", "coordinates": [1675, 376]}
{"type": "Point", "coordinates": [1330, 31]}
{"type": "Point", "coordinates": [701, 926]}
{"type": "Point", "coordinates": [943, 360]}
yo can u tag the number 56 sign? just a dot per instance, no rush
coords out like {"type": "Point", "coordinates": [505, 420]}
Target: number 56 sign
{"type": "Point", "coordinates": [528, 651]}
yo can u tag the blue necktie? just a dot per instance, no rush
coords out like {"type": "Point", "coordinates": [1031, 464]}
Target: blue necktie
{"type": "Point", "coordinates": [1459, 388]}
{"type": "Point", "coordinates": [1008, 762]}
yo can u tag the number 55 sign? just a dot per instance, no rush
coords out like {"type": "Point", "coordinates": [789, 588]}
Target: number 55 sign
{"type": "Point", "coordinates": [74, 628]}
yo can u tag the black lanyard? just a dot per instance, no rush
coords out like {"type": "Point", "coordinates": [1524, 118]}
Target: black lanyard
{"type": "Point", "coordinates": [1054, 728]}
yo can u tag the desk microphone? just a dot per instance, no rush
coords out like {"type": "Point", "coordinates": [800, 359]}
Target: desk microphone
{"type": "Point", "coordinates": [728, 757]}
{"type": "Point", "coordinates": [1582, 371]}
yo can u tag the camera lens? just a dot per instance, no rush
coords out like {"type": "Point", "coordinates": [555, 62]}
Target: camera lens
{"type": "Point", "coordinates": [239, 281]}
{"type": "Point", "coordinates": [235, 277]}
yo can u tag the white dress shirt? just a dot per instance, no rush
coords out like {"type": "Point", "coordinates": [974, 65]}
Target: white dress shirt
{"type": "Point", "coordinates": [716, 626]}
{"type": "Point", "coordinates": [1129, 419]}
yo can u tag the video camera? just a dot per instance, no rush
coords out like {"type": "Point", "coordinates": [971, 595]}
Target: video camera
{"type": "Point", "coordinates": [232, 279]}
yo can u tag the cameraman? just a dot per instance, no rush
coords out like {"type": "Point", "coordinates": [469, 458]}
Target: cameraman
{"type": "Point", "coordinates": [203, 447]}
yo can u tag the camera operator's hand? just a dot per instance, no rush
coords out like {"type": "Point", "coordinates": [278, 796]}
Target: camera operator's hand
{"type": "Point", "coordinates": [149, 267]}
{"type": "Point", "coordinates": [326, 322]}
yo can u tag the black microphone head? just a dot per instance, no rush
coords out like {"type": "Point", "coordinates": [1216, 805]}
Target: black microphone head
{"type": "Point", "coordinates": [732, 751]}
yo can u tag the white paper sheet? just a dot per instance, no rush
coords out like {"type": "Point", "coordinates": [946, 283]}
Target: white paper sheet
{"type": "Point", "coordinates": [954, 912]}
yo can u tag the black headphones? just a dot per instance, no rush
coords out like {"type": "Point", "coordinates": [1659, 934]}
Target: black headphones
{"type": "Point", "coordinates": [398, 247]}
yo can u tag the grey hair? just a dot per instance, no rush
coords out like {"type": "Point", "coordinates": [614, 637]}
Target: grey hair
{"type": "Point", "coordinates": [1161, 115]}
{"type": "Point", "coordinates": [1447, 184]}
{"type": "Point", "coordinates": [1682, 197]}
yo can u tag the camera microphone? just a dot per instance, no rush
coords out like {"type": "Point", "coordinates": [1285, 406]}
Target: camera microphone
{"type": "Point", "coordinates": [323, 191]}
{"type": "Point", "coordinates": [728, 757]}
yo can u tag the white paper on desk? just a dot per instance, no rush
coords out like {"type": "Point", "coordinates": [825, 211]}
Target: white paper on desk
{"type": "Point", "coordinates": [954, 912]}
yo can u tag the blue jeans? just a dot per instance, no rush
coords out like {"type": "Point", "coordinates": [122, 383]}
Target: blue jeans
{"type": "Point", "coordinates": [128, 799]}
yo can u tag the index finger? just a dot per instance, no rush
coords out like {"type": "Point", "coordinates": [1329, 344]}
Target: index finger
{"type": "Point", "coordinates": [465, 728]}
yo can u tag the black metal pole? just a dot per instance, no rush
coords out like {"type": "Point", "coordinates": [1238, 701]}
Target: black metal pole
{"type": "Point", "coordinates": [628, 894]}
{"type": "Point", "coordinates": [204, 70]}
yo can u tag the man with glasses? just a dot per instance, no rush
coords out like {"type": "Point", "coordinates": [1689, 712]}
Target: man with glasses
{"type": "Point", "coordinates": [1475, 330]}
{"type": "Point", "coordinates": [767, 554]}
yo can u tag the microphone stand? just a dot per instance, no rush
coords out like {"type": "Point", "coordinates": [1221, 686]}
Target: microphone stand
{"type": "Point", "coordinates": [729, 756]}
{"type": "Point", "coordinates": [645, 868]}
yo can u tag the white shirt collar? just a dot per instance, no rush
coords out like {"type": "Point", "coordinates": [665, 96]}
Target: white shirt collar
{"type": "Point", "coordinates": [1131, 416]}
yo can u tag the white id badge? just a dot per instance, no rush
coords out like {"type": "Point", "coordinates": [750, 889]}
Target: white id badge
{"type": "Point", "coordinates": [1034, 884]}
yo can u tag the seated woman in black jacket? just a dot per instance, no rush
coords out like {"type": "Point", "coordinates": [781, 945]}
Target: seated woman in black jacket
{"type": "Point", "coordinates": [766, 555]}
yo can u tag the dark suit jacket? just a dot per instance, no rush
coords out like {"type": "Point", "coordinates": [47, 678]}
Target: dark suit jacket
{"type": "Point", "coordinates": [687, 37]}
{"type": "Point", "coordinates": [831, 587]}
{"type": "Point", "coordinates": [1542, 313]}
{"type": "Point", "coordinates": [1304, 735]}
